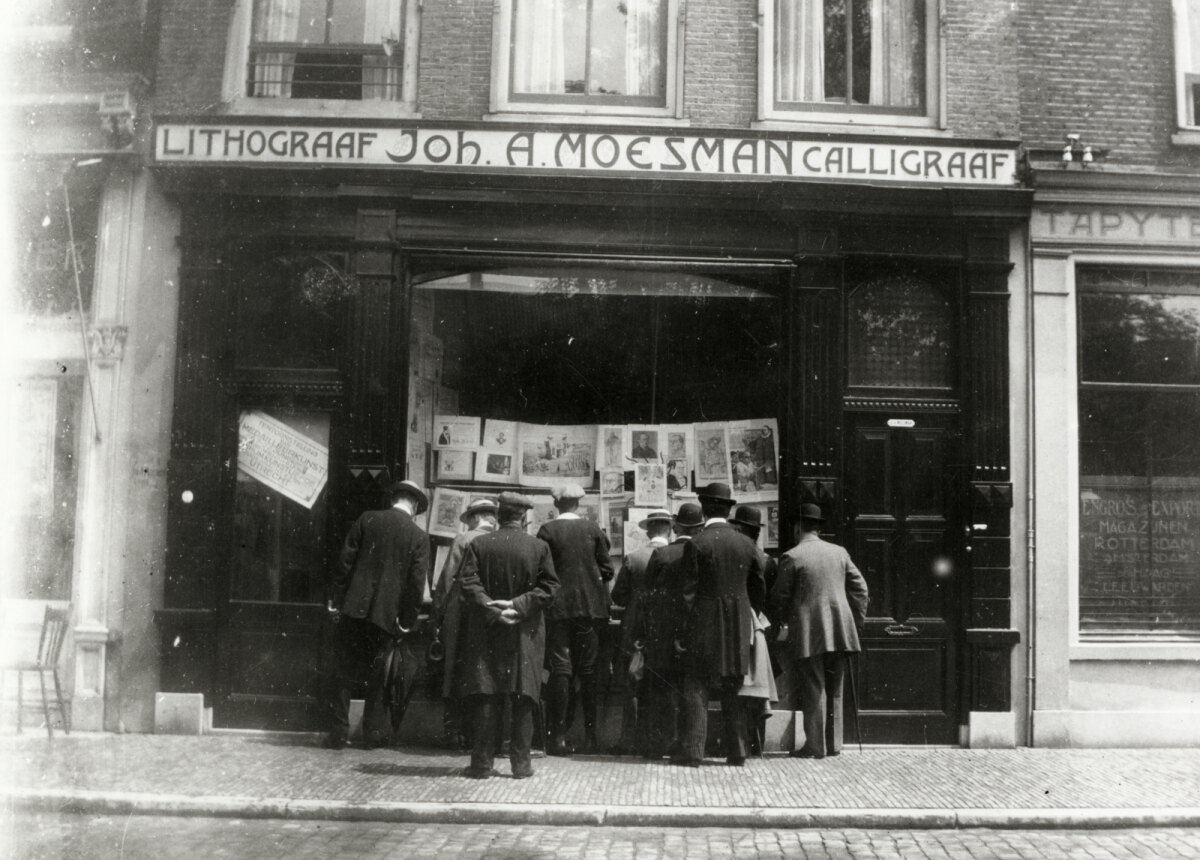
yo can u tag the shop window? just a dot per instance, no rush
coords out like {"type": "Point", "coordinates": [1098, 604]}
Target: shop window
{"type": "Point", "coordinates": [313, 52]}
{"type": "Point", "coordinates": [44, 465]}
{"type": "Point", "coordinates": [900, 334]}
{"type": "Point", "coordinates": [1139, 465]}
{"type": "Point", "coordinates": [288, 309]}
{"type": "Point", "coordinates": [280, 511]}
{"type": "Point", "coordinates": [865, 61]}
{"type": "Point", "coordinates": [577, 56]}
{"type": "Point", "coordinates": [1187, 61]}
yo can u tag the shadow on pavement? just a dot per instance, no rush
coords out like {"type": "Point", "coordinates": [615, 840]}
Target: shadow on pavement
{"type": "Point", "coordinates": [385, 769]}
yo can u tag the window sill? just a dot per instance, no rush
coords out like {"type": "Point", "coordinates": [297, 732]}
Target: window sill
{"type": "Point", "coordinates": [1186, 137]}
{"type": "Point", "coordinates": [309, 108]}
{"type": "Point", "coordinates": [596, 118]}
{"type": "Point", "coordinates": [1117, 651]}
{"type": "Point", "coordinates": [857, 124]}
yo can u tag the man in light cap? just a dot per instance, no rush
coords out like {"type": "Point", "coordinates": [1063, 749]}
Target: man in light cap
{"type": "Point", "coordinates": [375, 595]}
{"type": "Point", "coordinates": [507, 580]}
{"type": "Point", "coordinates": [580, 552]}
{"type": "Point", "coordinates": [480, 519]}
{"type": "Point", "coordinates": [629, 592]}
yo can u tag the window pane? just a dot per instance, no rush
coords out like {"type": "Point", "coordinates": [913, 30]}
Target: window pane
{"type": "Point", "coordinates": [1193, 17]}
{"type": "Point", "coordinates": [628, 47]}
{"type": "Point", "coordinates": [287, 311]}
{"type": "Point", "coordinates": [835, 49]}
{"type": "Point", "coordinates": [1139, 513]}
{"type": "Point", "coordinates": [1139, 337]}
{"type": "Point", "coordinates": [549, 49]}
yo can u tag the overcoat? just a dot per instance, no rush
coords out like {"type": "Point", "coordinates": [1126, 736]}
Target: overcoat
{"type": "Point", "coordinates": [491, 656]}
{"type": "Point", "coordinates": [821, 596]}
{"type": "Point", "coordinates": [447, 599]}
{"type": "Point", "coordinates": [722, 577]}
{"type": "Point", "coordinates": [581, 560]}
{"type": "Point", "coordinates": [382, 569]}
{"type": "Point", "coordinates": [663, 620]}
{"type": "Point", "coordinates": [630, 591]}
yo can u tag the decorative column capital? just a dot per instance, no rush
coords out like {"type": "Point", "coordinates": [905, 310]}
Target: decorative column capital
{"type": "Point", "coordinates": [107, 342]}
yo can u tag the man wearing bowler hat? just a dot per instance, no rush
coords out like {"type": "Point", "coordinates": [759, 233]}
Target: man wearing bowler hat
{"type": "Point", "coordinates": [579, 613]}
{"type": "Point", "coordinates": [375, 595]}
{"type": "Point", "coordinates": [722, 579]}
{"type": "Point", "coordinates": [747, 519]}
{"type": "Point", "coordinates": [480, 519]}
{"type": "Point", "coordinates": [507, 580]}
{"type": "Point", "coordinates": [822, 599]}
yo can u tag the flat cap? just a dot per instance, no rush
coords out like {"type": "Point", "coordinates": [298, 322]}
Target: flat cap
{"type": "Point", "coordinates": [515, 500]}
{"type": "Point", "coordinates": [567, 491]}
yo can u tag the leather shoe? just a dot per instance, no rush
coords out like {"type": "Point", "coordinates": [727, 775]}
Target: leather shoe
{"type": "Point", "coordinates": [684, 761]}
{"type": "Point", "coordinates": [803, 754]}
{"type": "Point", "coordinates": [736, 762]}
{"type": "Point", "coordinates": [522, 773]}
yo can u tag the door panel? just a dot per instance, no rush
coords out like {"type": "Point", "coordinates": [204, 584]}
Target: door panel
{"type": "Point", "coordinates": [902, 517]}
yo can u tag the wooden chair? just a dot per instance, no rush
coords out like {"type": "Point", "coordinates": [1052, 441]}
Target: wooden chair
{"type": "Point", "coordinates": [54, 632]}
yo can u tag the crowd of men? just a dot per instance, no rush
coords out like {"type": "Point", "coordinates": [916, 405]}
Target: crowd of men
{"type": "Point", "coordinates": [520, 621]}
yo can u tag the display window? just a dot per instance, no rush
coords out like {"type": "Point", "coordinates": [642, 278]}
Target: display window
{"type": "Point", "coordinates": [1139, 466]}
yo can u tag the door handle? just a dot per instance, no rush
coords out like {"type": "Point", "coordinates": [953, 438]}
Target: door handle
{"type": "Point", "coordinates": [901, 630]}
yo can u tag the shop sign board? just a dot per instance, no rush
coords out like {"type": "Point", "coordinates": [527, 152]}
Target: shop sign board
{"type": "Point", "coordinates": [589, 151]}
{"type": "Point", "coordinates": [1077, 224]}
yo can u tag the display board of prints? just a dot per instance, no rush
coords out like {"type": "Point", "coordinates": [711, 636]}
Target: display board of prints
{"type": "Point", "coordinates": [496, 461]}
{"type": "Point", "coordinates": [283, 459]}
{"type": "Point", "coordinates": [555, 454]}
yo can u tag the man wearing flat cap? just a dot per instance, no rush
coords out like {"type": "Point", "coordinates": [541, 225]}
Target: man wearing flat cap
{"type": "Point", "coordinates": [579, 613]}
{"type": "Point", "coordinates": [507, 580]}
{"type": "Point", "coordinates": [375, 595]}
{"type": "Point", "coordinates": [722, 584]}
{"type": "Point", "coordinates": [629, 592]}
{"type": "Point", "coordinates": [660, 628]}
{"type": "Point", "coordinates": [822, 598]}
{"type": "Point", "coordinates": [480, 519]}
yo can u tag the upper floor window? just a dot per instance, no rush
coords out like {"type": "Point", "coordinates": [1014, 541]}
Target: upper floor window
{"type": "Point", "coordinates": [830, 60]}
{"type": "Point", "coordinates": [1187, 61]}
{"type": "Point", "coordinates": [586, 56]}
{"type": "Point", "coordinates": [334, 53]}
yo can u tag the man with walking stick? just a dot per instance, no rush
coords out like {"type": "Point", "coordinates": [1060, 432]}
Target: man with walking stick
{"type": "Point", "coordinates": [821, 598]}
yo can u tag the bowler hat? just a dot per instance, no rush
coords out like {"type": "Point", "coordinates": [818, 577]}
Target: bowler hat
{"type": "Point", "coordinates": [717, 491]}
{"type": "Point", "coordinates": [479, 506]}
{"type": "Point", "coordinates": [567, 491]}
{"type": "Point", "coordinates": [689, 515]}
{"type": "Point", "coordinates": [656, 516]}
{"type": "Point", "coordinates": [809, 511]}
{"type": "Point", "coordinates": [410, 489]}
{"type": "Point", "coordinates": [515, 500]}
{"type": "Point", "coordinates": [747, 515]}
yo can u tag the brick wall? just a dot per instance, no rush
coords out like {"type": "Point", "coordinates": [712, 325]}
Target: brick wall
{"type": "Point", "coordinates": [721, 63]}
{"type": "Point", "coordinates": [191, 55]}
{"type": "Point", "coordinates": [456, 59]}
{"type": "Point", "coordinates": [1103, 69]}
{"type": "Point", "coordinates": [982, 96]}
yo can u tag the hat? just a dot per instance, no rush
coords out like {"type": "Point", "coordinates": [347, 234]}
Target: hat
{"type": "Point", "coordinates": [515, 500]}
{"type": "Point", "coordinates": [748, 515]}
{"type": "Point", "coordinates": [718, 492]}
{"type": "Point", "coordinates": [656, 516]}
{"type": "Point", "coordinates": [567, 491]}
{"type": "Point", "coordinates": [410, 489]}
{"type": "Point", "coordinates": [689, 515]}
{"type": "Point", "coordinates": [809, 511]}
{"type": "Point", "coordinates": [479, 506]}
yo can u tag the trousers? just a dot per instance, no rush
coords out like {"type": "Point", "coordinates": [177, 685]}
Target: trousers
{"type": "Point", "coordinates": [487, 716]}
{"type": "Point", "coordinates": [818, 684]}
{"type": "Point", "coordinates": [695, 704]}
{"type": "Point", "coordinates": [361, 651]}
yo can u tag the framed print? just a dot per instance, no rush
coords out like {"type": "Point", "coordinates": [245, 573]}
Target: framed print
{"type": "Point", "coordinates": [551, 454]}
{"type": "Point", "coordinates": [612, 520]}
{"type": "Point", "coordinates": [500, 436]}
{"type": "Point", "coordinates": [754, 459]}
{"type": "Point", "coordinates": [445, 510]}
{"type": "Point", "coordinates": [610, 447]}
{"type": "Point", "coordinates": [679, 442]}
{"type": "Point", "coordinates": [712, 454]}
{"type": "Point", "coordinates": [679, 477]}
{"type": "Point", "coordinates": [643, 441]}
{"type": "Point", "coordinates": [650, 485]}
{"type": "Point", "coordinates": [455, 431]}
{"type": "Point", "coordinates": [494, 467]}
{"type": "Point", "coordinates": [454, 464]}
{"type": "Point", "coordinates": [612, 482]}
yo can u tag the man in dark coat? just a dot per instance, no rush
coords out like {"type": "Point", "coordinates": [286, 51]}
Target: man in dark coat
{"type": "Point", "coordinates": [747, 519]}
{"type": "Point", "coordinates": [375, 595]}
{"type": "Point", "coordinates": [822, 598]}
{"type": "Point", "coordinates": [507, 580]}
{"type": "Point", "coordinates": [629, 592]}
{"type": "Point", "coordinates": [659, 628]}
{"type": "Point", "coordinates": [580, 612]}
{"type": "Point", "coordinates": [722, 587]}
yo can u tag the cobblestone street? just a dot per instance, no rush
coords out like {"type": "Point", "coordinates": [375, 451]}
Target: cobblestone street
{"type": "Point", "coordinates": [38, 837]}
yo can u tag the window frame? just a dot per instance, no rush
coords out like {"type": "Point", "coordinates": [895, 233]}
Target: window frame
{"type": "Point", "coordinates": [237, 69]}
{"type": "Point", "coordinates": [1187, 70]}
{"type": "Point", "coordinates": [859, 115]}
{"type": "Point", "coordinates": [548, 105]}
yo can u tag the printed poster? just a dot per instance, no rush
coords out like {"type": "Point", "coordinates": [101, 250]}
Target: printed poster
{"type": "Point", "coordinates": [555, 454]}
{"type": "Point", "coordinates": [679, 440]}
{"type": "Point", "coordinates": [455, 431]}
{"type": "Point", "coordinates": [712, 454]}
{"type": "Point", "coordinates": [282, 458]}
{"type": "Point", "coordinates": [610, 447]}
{"type": "Point", "coordinates": [444, 511]}
{"type": "Point", "coordinates": [650, 485]}
{"type": "Point", "coordinates": [754, 459]}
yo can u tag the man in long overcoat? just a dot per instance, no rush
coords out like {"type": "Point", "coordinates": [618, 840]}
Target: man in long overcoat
{"type": "Point", "coordinates": [722, 586]}
{"type": "Point", "coordinates": [507, 581]}
{"type": "Point", "coordinates": [822, 598]}
{"type": "Point", "coordinates": [660, 627]}
{"type": "Point", "coordinates": [375, 596]}
{"type": "Point", "coordinates": [580, 612]}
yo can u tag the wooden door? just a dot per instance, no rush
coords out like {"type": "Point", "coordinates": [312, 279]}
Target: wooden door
{"type": "Point", "coordinates": [902, 515]}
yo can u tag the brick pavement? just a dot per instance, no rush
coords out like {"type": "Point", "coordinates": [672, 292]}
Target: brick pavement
{"type": "Point", "coordinates": [100, 837]}
{"type": "Point", "coordinates": [881, 779]}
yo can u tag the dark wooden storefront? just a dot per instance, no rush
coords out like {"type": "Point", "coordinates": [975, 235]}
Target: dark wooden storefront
{"type": "Point", "coordinates": [905, 462]}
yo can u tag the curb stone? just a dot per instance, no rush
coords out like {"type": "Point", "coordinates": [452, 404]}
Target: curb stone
{"type": "Point", "coordinates": [566, 815]}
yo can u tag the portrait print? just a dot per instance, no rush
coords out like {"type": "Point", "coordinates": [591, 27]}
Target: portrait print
{"type": "Point", "coordinates": [643, 444]}
{"type": "Point", "coordinates": [753, 457]}
{"type": "Point", "coordinates": [612, 482]}
{"type": "Point", "coordinates": [611, 446]}
{"type": "Point", "coordinates": [677, 476]}
{"type": "Point", "coordinates": [712, 454]}
{"type": "Point", "coordinates": [455, 431]}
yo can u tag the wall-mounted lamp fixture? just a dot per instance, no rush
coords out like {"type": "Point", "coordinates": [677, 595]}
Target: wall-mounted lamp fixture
{"type": "Point", "coordinates": [1073, 150]}
{"type": "Point", "coordinates": [116, 118]}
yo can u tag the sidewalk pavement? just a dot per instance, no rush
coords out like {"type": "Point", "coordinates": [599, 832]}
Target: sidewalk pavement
{"type": "Point", "coordinates": [274, 776]}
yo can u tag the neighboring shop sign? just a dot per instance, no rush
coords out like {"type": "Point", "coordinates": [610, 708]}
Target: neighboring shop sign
{"type": "Point", "coordinates": [590, 151]}
{"type": "Point", "coordinates": [286, 461]}
{"type": "Point", "coordinates": [1115, 224]}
